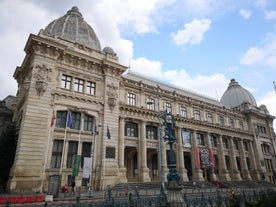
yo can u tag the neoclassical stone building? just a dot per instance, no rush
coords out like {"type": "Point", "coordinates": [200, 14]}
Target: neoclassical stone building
{"type": "Point", "coordinates": [112, 117]}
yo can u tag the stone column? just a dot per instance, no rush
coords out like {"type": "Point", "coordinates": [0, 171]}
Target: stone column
{"type": "Point", "coordinates": [245, 171]}
{"type": "Point", "coordinates": [180, 156]}
{"type": "Point", "coordinates": [223, 172]}
{"type": "Point", "coordinates": [164, 156]}
{"type": "Point", "coordinates": [197, 172]}
{"type": "Point", "coordinates": [144, 170]}
{"type": "Point", "coordinates": [256, 173]}
{"type": "Point", "coordinates": [235, 172]}
{"type": "Point", "coordinates": [208, 141]}
{"type": "Point", "coordinates": [121, 151]}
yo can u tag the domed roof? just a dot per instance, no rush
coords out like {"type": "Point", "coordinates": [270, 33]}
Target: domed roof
{"type": "Point", "coordinates": [73, 27]}
{"type": "Point", "coordinates": [235, 95]}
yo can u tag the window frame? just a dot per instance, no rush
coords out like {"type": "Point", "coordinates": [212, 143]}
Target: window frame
{"type": "Point", "coordinates": [78, 85]}
{"type": "Point", "coordinates": [56, 153]}
{"type": "Point", "coordinates": [90, 88]}
{"type": "Point", "coordinates": [131, 99]}
{"type": "Point", "coordinates": [131, 129]}
{"type": "Point", "coordinates": [66, 82]}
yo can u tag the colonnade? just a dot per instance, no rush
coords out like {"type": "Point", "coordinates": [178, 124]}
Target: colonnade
{"type": "Point", "coordinates": [232, 163]}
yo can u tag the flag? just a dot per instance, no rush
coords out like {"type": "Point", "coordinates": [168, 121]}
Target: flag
{"type": "Point", "coordinates": [87, 166]}
{"type": "Point", "coordinates": [108, 133]}
{"type": "Point", "coordinates": [95, 126]}
{"type": "Point", "coordinates": [69, 121]}
{"type": "Point", "coordinates": [76, 165]}
{"type": "Point", "coordinates": [53, 119]}
{"type": "Point", "coordinates": [274, 86]}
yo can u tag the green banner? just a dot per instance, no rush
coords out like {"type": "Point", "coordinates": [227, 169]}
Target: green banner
{"type": "Point", "coordinates": [76, 165]}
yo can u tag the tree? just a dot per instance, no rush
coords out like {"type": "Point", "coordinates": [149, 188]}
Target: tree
{"type": "Point", "coordinates": [8, 143]}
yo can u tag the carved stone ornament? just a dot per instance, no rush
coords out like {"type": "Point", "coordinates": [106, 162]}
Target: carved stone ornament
{"type": "Point", "coordinates": [42, 77]}
{"type": "Point", "coordinates": [112, 96]}
{"type": "Point", "coordinates": [40, 87]}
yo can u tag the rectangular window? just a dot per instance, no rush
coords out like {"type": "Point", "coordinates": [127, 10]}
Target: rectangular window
{"type": "Point", "coordinates": [66, 82]}
{"type": "Point", "coordinates": [88, 123]}
{"type": "Point", "coordinates": [200, 139]}
{"type": "Point", "coordinates": [131, 129]}
{"type": "Point", "coordinates": [76, 120]}
{"type": "Point", "coordinates": [221, 120]}
{"type": "Point", "coordinates": [236, 144]}
{"type": "Point", "coordinates": [245, 146]}
{"type": "Point", "coordinates": [61, 119]}
{"type": "Point", "coordinates": [131, 99]}
{"type": "Point", "coordinates": [197, 114]}
{"type": "Point", "coordinates": [78, 85]}
{"type": "Point", "coordinates": [168, 107]}
{"type": "Point", "coordinates": [72, 150]}
{"type": "Point", "coordinates": [231, 122]}
{"type": "Point", "coordinates": [150, 103]}
{"type": "Point", "coordinates": [151, 132]}
{"type": "Point", "coordinates": [209, 118]}
{"type": "Point", "coordinates": [56, 153]}
{"type": "Point", "coordinates": [213, 140]}
{"type": "Point", "coordinates": [225, 143]}
{"type": "Point", "coordinates": [183, 111]}
{"type": "Point", "coordinates": [90, 88]}
{"type": "Point", "coordinates": [85, 151]}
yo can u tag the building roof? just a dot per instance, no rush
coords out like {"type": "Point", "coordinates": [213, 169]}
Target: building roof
{"type": "Point", "coordinates": [170, 87]}
{"type": "Point", "coordinates": [72, 27]}
{"type": "Point", "coordinates": [235, 95]}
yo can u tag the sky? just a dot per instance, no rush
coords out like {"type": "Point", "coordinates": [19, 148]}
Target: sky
{"type": "Point", "coordinates": [198, 45]}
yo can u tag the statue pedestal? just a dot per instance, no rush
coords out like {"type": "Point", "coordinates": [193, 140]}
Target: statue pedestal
{"type": "Point", "coordinates": [174, 195]}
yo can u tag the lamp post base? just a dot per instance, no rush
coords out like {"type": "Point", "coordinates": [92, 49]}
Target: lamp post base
{"type": "Point", "coordinates": [174, 195]}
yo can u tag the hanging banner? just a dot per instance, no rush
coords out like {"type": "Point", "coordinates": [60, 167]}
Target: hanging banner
{"type": "Point", "coordinates": [212, 158]}
{"type": "Point", "coordinates": [87, 166]}
{"type": "Point", "coordinates": [198, 157]}
{"type": "Point", "coordinates": [205, 158]}
{"type": "Point", "coordinates": [76, 165]}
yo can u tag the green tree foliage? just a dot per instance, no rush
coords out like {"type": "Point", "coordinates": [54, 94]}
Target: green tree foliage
{"type": "Point", "coordinates": [8, 142]}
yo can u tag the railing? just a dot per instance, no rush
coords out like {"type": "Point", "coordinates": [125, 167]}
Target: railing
{"type": "Point", "coordinates": [239, 197]}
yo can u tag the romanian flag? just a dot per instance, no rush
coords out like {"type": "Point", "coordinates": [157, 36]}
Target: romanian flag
{"type": "Point", "coordinates": [53, 119]}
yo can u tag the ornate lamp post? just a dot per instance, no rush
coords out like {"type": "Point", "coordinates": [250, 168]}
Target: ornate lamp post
{"type": "Point", "coordinates": [174, 196]}
{"type": "Point", "coordinates": [169, 122]}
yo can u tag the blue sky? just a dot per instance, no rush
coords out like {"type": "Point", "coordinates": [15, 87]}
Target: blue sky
{"type": "Point", "coordinates": [198, 45]}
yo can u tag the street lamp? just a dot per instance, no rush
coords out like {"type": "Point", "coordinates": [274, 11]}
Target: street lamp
{"type": "Point", "coordinates": [169, 123]}
{"type": "Point", "coordinates": [157, 93]}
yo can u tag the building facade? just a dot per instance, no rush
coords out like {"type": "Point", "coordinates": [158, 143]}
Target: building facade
{"type": "Point", "coordinates": [75, 98]}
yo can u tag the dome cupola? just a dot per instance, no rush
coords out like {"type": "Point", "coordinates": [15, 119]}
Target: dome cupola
{"type": "Point", "coordinates": [72, 27]}
{"type": "Point", "coordinates": [235, 95]}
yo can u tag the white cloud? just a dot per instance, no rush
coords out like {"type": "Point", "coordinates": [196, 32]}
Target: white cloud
{"type": "Point", "coordinates": [15, 24]}
{"type": "Point", "coordinates": [213, 86]}
{"type": "Point", "coordinates": [263, 55]}
{"type": "Point", "coordinates": [270, 15]}
{"type": "Point", "coordinates": [192, 33]}
{"type": "Point", "coordinates": [245, 13]}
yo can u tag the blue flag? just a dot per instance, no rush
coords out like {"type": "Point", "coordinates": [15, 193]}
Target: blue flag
{"type": "Point", "coordinates": [69, 121]}
{"type": "Point", "coordinates": [108, 133]}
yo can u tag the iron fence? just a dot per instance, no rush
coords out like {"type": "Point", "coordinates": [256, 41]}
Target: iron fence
{"type": "Point", "coordinates": [217, 199]}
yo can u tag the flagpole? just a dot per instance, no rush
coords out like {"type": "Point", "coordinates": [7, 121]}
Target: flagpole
{"type": "Point", "coordinates": [92, 157]}
{"type": "Point", "coordinates": [79, 147]}
{"type": "Point", "coordinates": [104, 155]}
{"type": "Point", "coordinates": [46, 157]}
{"type": "Point", "coordinates": [63, 148]}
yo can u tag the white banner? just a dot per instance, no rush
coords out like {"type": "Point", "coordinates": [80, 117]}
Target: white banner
{"type": "Point", "coordinates": [87, 161]}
